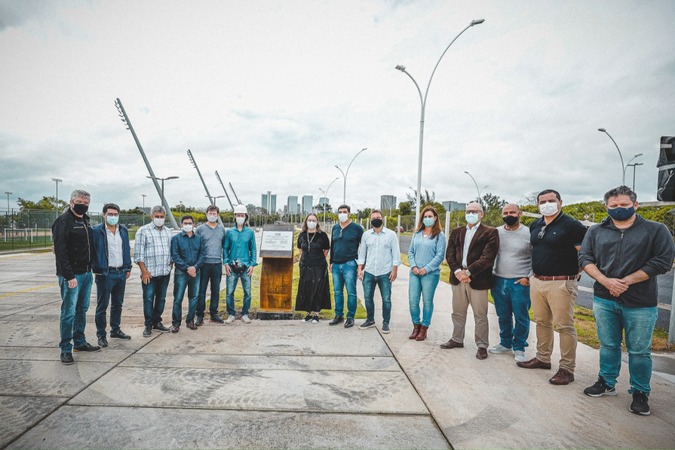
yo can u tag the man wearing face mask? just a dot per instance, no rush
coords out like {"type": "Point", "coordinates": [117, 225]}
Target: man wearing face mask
{"type": "Point", "coordinates": [344, 249]}
{"type": "Point", "coordinates": [556, 239]}
{"type": "Point", "coordinates": [624, 254]}
{"type": "Point", "coordinates": [152, 253]}
{"type": "Point", "coordinates": [378, 261]}
{"type": "Point", "coordinates": [239, 257]}
{"type": "Point", "coordinates": [471, 255]}
{"type": "Point", "coordinates": [213, 235]}
{"type": "Point", "coordinates": [511, 286]}
{"type": "Point", "coordinates": [187, 253]}
{"type": "Point", "coordinates": [112, 266]}
{"type": "Point", "coordinates": [73, 250]}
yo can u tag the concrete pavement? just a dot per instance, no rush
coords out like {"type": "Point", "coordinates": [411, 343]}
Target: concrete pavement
{"type": "Point", "coordinates": [290, 384]}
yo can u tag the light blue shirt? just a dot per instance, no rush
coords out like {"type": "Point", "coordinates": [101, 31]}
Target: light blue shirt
{"type": "Point", "coordinates": [427, 252]}
{"type": "Point", "coordinates": [379, 252]}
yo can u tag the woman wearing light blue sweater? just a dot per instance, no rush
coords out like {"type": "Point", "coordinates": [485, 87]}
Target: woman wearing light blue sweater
{"type": "Point", "coordinates": [425, 255]}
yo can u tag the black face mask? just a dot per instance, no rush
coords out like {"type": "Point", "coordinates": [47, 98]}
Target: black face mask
{"type": "Point", "coordinates": [510, 220]}
{"type": "Point", "coordinates": [80, 209]}
{"type": "Point", "coordinates": [376, 223]}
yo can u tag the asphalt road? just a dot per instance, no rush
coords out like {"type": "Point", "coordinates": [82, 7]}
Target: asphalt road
{"type": "Point", "coordinates": [585, 297]}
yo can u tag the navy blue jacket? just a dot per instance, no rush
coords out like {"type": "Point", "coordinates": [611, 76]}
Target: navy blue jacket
{"type": "Point", "coordinates": [99, 262]}
{"type": "Point", "coordinates": [187, 251]}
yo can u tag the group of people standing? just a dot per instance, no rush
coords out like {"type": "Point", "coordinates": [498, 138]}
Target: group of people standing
{"type": "Point", "coordinates": [538, 266]}
{"type": "Point", "coordinates": [197, 256]}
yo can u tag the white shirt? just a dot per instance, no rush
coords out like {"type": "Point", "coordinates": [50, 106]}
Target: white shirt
{"type": "Point", "coordinates": [379, 252]}
{"type": "Point", "coordinates": [114, 248]}
{"type": "Point", "coordinates": [467, 243]}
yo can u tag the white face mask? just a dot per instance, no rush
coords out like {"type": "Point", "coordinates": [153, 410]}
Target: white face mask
{"type": "Point", "coordinates": [343, 217]}
{"type": "Point", "coordinates": [311, 224]}
{"type": "Point", "coordinates": [158, 222]}
{"type": "Point", "coordinates": [471, 218]}
{"type": "Point", "coordinates": [212, 219]}
{"type": "Point", "coordinates": [241, 220]}
{"type": "Point", "coordinates": [548, 209]}
{"type": "Point", "coordinates": [187, 228]}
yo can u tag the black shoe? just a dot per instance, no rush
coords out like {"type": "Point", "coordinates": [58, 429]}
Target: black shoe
{"type": "Point", "coordinates": [315, 318]}
{"type": "Point", "coordinates": [191, 325]}
{"type": "Point", "coordinates": [175, 328]}
{"type": "Point", "coordinates": [599, 389]}
{"type": "Point", "coordinates": [67, 358]}
{"type": "Point", "coordinates": [336, 320]}
{"type": "Point", "coordinates": [87, 347]}
{"type": "Point", "coordinates": [365, 325]}
{"type": "Point", "coordinates": [119, 334]}
{"type": "Point", "coordinates": [159, 326]}
{"type": "Point", "coordinates": [147, 332]}
{"type": "Point", "coordinates": [349, 322]}
{"type": "Point", "coordinates": [308, 317]}
{"type": "Point", "coordinates": [216, 318]}
{"type": "Point", "coordinates": [102, 342]}
{"type": "Point", "coordinates": [640, 405]}
{"type": "Point", "coordinates": [200, 321]}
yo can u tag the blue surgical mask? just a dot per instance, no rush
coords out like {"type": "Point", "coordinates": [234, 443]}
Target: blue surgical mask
{"type": "Point", "coordinates": [112, 220]}
{"type": "Point", "coordinates": [471, 218]}
{"type": "Point", "coordinates": [621, 214]}
{"type": "Point", "coordinates": [428, 221]}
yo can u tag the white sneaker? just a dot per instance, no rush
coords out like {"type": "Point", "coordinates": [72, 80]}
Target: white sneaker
{"type": "Point", "coordinates": [229, 319]}
{"type": "Point", "coordinates": [245, 318]}
{"type": "Point", "coordinates": [519, 356]}
{"type": "Point", "coordinates": [498, 349]}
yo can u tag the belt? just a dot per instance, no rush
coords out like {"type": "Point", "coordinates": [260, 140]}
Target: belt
{"type": "Point", "coordinates": [116, 269]}
{"type": "Point", "coordinates": [557, 277]}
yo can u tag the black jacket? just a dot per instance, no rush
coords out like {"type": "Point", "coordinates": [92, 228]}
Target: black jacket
{"type": "Point", "coordinates": [72, 244]}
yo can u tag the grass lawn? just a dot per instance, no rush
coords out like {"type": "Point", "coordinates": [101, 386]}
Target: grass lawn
{"type": "Point", "coordinates": [255, 296]}
{"type": "Point", "coordinates": [583, 320]}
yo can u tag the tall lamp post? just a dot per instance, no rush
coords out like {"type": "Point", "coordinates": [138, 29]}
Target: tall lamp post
{"type": "Point", "coordinates": [8, 194]}
{"type": "Point", "coordinates": [325, 195]}
{"type": "Point", "coordinates": [143, 210]}
{"type": "Point", "coordinates": [163, 180]}
{"type": "Point", "coordinates": [56, 200]}
{"type": "Point", "coordinates": [344, 175]}
{"type": "Point", "coordinates": [480, 199]}
{"type": "Point", "coordinates": [423, 103]}
{"type": "Point", "coordinates": [633, 166]}
{"type": "Point", "coordinates": [623, 167]}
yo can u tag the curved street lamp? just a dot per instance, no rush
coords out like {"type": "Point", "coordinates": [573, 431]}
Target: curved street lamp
{"type": "Point", "coordinates": [623, 167]}
{"type": "Point", "coordinates": [480, 199]}
{"type": "Point", "coordinates": [423, 102]}
{"type": "Point", "coordinates": [325, 195]}
{"type": "Point", "coordinates": [344, 175]}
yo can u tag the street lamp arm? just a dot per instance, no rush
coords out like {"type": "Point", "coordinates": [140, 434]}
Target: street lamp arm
{"type": "Point", "coordinates": [350, 163]}
{"type": "Point", "coordinates": [419, 91]}
{"type": "Point", "coordinates": [623, 167]}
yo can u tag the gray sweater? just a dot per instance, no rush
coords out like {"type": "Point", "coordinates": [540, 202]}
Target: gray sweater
{"type": "Point", "coordinates": [646, 246]}
{"type": "Point", "coordinates": [213, 241]}
{"type": "Point", "coordinates": [514, 259]}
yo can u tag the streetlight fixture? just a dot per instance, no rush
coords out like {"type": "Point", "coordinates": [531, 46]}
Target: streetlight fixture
{"type": "Point", "coordinates": [143, 211]}
{"type": "Point", "coordinates": [423, 102]}
{"type": "Point", "coordinates": [623, 167]}
{"type": "Point", "coordinates": [56, 202]}
{"type": "Point", "coordinates": [214, 197]}
{"type": "Point", "coordinates": [480, 198]}
{"type": "Point", "coordinates": [163, 180]}
{"type": "Point", "coordinates": [633, 166]}
{"type": "Point", "coordinates": [325, 196]}
{"type": "Point", "coordinates": [344, 175]}
{"type": "Point", "coordinates": [8, 194]}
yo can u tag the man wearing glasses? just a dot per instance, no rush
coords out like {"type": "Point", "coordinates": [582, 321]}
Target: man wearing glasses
{"type": "Point", "coordinates": [556, 240]}
{"type": "Point", "coordinates": [344, 249]}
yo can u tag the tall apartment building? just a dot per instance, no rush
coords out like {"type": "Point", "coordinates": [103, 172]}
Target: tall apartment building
{"type": "Point", "coordinates": [292, 204]}
{"type": "Point", "coordinates": [307, 206]}
{"type": "Point", "coordinates": [269, 202]}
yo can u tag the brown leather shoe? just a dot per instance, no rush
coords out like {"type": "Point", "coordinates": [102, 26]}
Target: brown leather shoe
{"type": "Point", "coordinates": [562, 377]}
{"type": "Point", "coordinates": [415, 331]}
{"type": "Point", "coordinates": [534, 363]}
{"type": "Point", "coordinates": [481, 353]}
{"type": "Point", "coordinates": [422, 335]}
{"type": "Point", "coordinates": [452, 344]}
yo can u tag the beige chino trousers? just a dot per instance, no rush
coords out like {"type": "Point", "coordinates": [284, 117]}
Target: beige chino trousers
{"type": "Point", "coordinates": [463, 296]}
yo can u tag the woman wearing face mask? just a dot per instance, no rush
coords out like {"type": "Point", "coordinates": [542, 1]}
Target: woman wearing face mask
{"type": "Point", "coordinates": [313, 289]}
{"type": "Point", "coordinates": [426, 253]}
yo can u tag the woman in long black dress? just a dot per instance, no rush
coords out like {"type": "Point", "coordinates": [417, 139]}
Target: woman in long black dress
{"type": "Point", "coordinates": [313, 289]}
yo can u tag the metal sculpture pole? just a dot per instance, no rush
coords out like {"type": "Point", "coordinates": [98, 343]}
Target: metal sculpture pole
{"type": "Point", "coordinates": [212, 200]}
{"type": "Point", "coordinates": [225, 190]}
{"type": "Point", "coordinates": [127, 123]}
{"type": "Point", "coordinates": [235, 195]}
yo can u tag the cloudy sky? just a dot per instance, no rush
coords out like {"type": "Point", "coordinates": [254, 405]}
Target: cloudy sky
{"type": "Point", "coordinates": [274, 94]}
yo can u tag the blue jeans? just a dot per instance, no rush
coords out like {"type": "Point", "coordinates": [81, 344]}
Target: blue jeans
{"type": "Point", "coordinates": [182, 280]}
{"type": "Point", "coordinates": [611, 318]}
{"type": "Point", "coordinates": [109, 291]}
{"type": "Point", "coordinates": [210, 272]}
{"type": "Point", "coordinates": [512, 303]}
{"type": "Point", "coordinates": [232, 285]}
{"type": "Point", "coordinates": [154, 297]}
{"type": "Point", "coordinates": [344, 275]}
{"type": "Point", "coordinates": [424, 286]}
{"type": "Point", "coordinates": [74, 306]}
{"type": "Point", "coordinates": [369, 283]}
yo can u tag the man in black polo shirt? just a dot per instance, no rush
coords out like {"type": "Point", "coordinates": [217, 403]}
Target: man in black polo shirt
{"type": "Point", "coordinates": [556, 239]}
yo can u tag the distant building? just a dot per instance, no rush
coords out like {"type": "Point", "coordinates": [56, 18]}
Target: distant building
{"type": "Point", "coordinates": [269, 202]}
{"type": "Point", "coordinates": [452, 205]}
{"type": "Point", "coordinates": [292, 204]}
{"type": "Point", "coordinates": [324, 201]}
{"type": "Point", "coordinates": [387, 203]}
{"type": "Point", "coordinates": [307, 206]}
